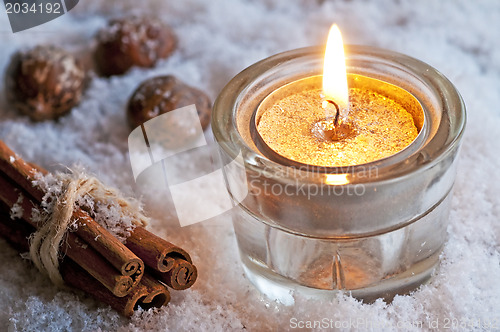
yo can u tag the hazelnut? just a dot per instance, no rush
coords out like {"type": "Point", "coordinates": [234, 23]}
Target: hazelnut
{"type": "Point", "coordinates": [44, 82]}
{"type": "Point", "coordinates": [163, 94]}
{"type": "Point", "coordinates": [159, 95]}
{"type": "Point", "coordinates": [132, 41]}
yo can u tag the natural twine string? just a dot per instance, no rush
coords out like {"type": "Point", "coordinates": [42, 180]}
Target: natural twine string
{"type": "Point", "coordinates": [45, 243]}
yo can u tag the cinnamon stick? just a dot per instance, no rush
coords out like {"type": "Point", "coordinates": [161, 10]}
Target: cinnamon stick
{"type": "Point", "coordinates": [149, 293]}
{"type": "Point", "coordinates": [171, 264]}
{"type": "Point", "coordinates": [16, 232]}
{"type": "Point", "coordinates": [181, 276]}
{"type": "Point", "coordinates": [158, 254]}
{"type": "Point", "coordinates": [77, 250]}
{"type": "Point", "coordinates": [23, 174]}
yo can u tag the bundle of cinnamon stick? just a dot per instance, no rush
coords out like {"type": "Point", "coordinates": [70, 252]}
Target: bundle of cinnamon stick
{"type": "Point", "coordinates": [124, 275]}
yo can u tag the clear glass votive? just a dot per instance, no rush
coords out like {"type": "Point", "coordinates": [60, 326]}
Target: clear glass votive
{"type": "Point", "coordinates": [373, 230]}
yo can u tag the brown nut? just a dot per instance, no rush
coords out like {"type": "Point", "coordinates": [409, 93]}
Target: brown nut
{"type": "Point", "coordinates": [132, 41]}
{"type": "Point", "coordinates": [162, 94]}
{"type": "Point", "coordinates": [44, 82]}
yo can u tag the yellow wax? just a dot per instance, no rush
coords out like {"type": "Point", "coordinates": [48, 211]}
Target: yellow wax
{"type": "Point", "coordinates": [382, 126]}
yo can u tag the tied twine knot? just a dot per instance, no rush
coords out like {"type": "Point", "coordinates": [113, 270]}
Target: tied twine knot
{"type": "Point", "coordinates": [45, 243]}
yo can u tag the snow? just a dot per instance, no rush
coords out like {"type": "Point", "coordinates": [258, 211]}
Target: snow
{"type": "Point", "coordinates": [17, 210]}
{"type": "Point", "coordinates": [217, 39]}
{"type": "Point", "coordinates": [117, 214]}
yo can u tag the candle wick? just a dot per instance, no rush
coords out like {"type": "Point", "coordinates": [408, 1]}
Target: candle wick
{"type": "Point", "coordinates": [337, 114]}
{"type": "Point", "coordinates": [332, 129]}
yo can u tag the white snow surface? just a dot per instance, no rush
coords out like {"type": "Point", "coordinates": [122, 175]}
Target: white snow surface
{"type": "Point", "coordinates": [217, 39]}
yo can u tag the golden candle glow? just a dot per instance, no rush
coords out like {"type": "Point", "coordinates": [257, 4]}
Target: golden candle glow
{"type": "Point", "coordinates": [338, 119]}
{"type": "Point", "coordinates": [336, 179]}
{"type": "Point", "coordinates": [334, 71]}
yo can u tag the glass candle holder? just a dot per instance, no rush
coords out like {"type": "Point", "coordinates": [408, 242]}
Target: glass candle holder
{"type": "Point", "coordinates": [373, 230]}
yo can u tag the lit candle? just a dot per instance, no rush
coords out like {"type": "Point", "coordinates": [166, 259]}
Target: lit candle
{"type": "Point", "coordinates": [349, 176]}
{"type": "Point", "coordinates": [321, 127]}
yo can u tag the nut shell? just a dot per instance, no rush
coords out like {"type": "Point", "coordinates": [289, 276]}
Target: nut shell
{"type": "Point", "coordinates": [162, 94]}
{"type": "Point", "coordinates": [132, 41]}
{"type": "Point", "coordinates": [44, 82]}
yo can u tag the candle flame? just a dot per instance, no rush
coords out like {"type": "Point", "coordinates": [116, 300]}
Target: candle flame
{"type": "Point", "coordinates": [334, 71]}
